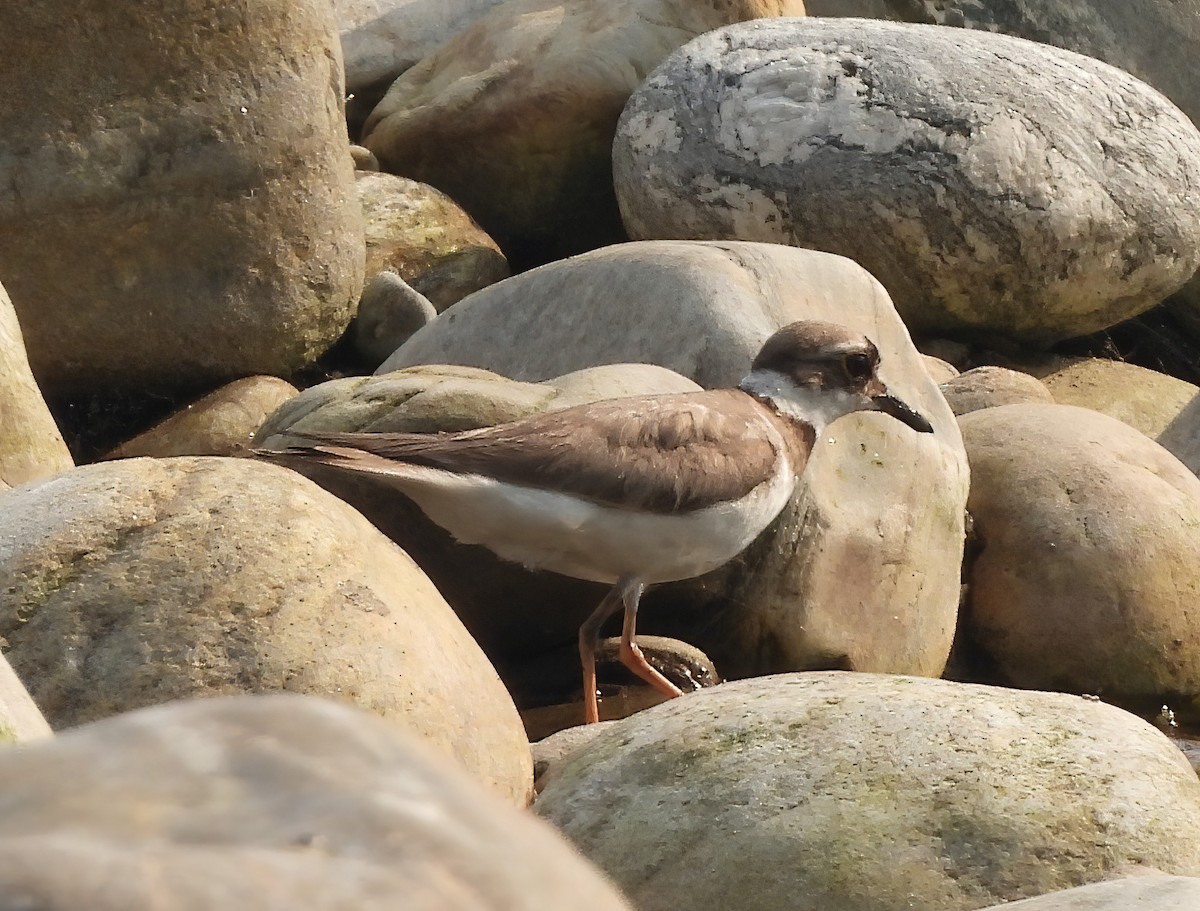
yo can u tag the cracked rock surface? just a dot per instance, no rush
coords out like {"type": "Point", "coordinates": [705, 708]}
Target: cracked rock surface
{"type": "Point", "coordinates": [993, 185]}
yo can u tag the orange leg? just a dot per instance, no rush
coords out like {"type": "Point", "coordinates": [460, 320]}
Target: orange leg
{"type": "Point", "coordinates": [589, 639]}
{"type": "Point", "coordinates": [631, 655]}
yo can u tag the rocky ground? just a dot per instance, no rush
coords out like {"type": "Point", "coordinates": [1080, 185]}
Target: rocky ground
{"type": "Point", "coordinates": [960, 669]}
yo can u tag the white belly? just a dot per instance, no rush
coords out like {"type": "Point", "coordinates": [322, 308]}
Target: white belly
{"type": "Point", "coordinates": [578, 538]}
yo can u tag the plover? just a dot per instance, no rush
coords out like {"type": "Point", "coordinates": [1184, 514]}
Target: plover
{"type": "Point", "coordinates": [633, 491]}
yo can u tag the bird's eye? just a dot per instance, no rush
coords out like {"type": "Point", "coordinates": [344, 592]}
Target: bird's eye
{"type": "Point", "coordinates": [857, 366]}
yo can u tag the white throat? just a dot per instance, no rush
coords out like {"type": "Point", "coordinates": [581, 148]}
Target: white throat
{"type": "Point", "coordinates": [813, 405]}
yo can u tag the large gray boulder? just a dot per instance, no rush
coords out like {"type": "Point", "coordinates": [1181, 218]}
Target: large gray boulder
{"type": "Point", "coordinates": [134, 582]}
{"type": "Point", "coordinates": [268, 802]}
{"type": "Point", "coordinates": [188, 161]}
{"type": "Point", "coordinates": [992, 184]}
{"type": "Point", "coordinates": [862, 569]}
{"type": "Point", "coordinates": [839, 792]}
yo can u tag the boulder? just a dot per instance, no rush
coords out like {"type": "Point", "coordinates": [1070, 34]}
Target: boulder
{"type": "Point", "coordinates": [1143, 893]}
{"type": "Point", "coordinates": [251, 803]}
{"type": "Point", "coordinates": [837, 792]}
{"type": "Point", "coordinates": [1086, 576]}
{"type": "Point", "coordinates": [1164, 408]}
{"type": "Point", "coordinates": [995, 186]}
{"type": "Point", "coordinates": [188, 160]}
{"type": "Point", "coordinates": [135, 582]}
{"type": "Point", "coordinates": [514, 117]}
{"type": "Point", "coordinates": [862, 570]}
{"type": "Point", "coordinates": [424, 237]}
{"type": "Point", "coordinates": [221, 423]}
{"type": "Point", "coordinates": [989, 387]}
{"type": "Point", "coordinates": [383, 38]}
{"type": "Point", "coordinates": [30, 445]}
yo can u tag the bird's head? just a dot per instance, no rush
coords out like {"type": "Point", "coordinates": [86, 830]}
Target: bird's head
{"type": "Point", "coordinates": [817, 372]}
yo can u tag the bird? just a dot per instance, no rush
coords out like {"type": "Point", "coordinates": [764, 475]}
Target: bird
{"type": "Point", "coordinates": [631, 492]}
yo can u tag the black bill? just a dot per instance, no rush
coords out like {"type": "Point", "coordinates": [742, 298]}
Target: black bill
{"type": "Point", "coordinates": [891, 405]}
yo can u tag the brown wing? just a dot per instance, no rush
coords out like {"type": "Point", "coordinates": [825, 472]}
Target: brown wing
{"type": "Point", "coordinates": [664, 453]}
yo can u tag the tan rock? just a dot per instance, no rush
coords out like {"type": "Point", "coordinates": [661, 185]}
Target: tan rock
{"type": "Point", "coordinates": [20, 718]}
{"type": "Point", "coordinates": [139, 581]}
{"type": "Point", "coordinates": [221, 423]}
{"type": "Point", "coordinates": [30, 445]}
{"type": "Point", "coordinates": [1164, 408]}
{"type": "Point", "coordinates": [427, 239]}
{"type": "Point", "coordinates": [514, 117]}
{"type": "Point", "coordinates": [1088, 569]}
{"type": "Point", "coordinates": [939, 370]}
{"type": "Point", "coordinates": [858, 790]}
{"type": "Point", "coordinates": [191, 168]}
{"type": "Point", "coordinates": [989, 387]}
{"type": "Point", "coordinates": [878, 523]}
{"type": "Point", "coordinates": [269, 802]}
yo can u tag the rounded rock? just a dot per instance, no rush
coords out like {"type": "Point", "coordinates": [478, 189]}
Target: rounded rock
{"type": "Point", "coordinates": [1089, 563]}
{"type": "Point", "coordinates": [992, 184]}
{"type": "Point", "coordinates": [134, 582]}
{"type": "Point", "coordinates": [858, 790]}
{"type": "Point", "coordinates": [188, 159]}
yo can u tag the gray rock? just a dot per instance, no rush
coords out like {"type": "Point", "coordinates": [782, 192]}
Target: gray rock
{"type": "Point", "coordinates": [190, 164]}
{"type": "Point", "coordinates": [993, 185]}
{"type": "Point", "coordinates": [836, 792]}
{"type": "Point", "coordinates": [269, 802]}
{"type": "Point", "coordinates": [1087, 573]}
{"type": "Point", "coordinates": [1137, 893]}
{"type": "Point", "coordinates": [811, 592]}
{"type": "Point", "coordinates": [30, 445]}
{"type": "Point", "coordinates": [989, 387]}
{"type": "Point", "coordinates": [388, 314]}
{"type": "Point", "coordinates": [134, 582]}
{"type": "Point", "coordinates": [221, 423]}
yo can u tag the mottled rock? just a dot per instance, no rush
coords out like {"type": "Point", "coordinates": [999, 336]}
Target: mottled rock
{"type": "Point", "coordinates": [390, 311]}
{"type": "Point", "coordinates": [383, 38]}
{"type": "Point", "coordinates": [1143, 893]}
{"type": "Point", "coordinates": [188, 160]}
{"type": "Point", "coordinates": [1164, 408]}
{"type": "Point", "coordinates": [221, 423]}
{"type": "Point", "coordinates": [30, 445]}
{"type": "Point", "coordinates": [514, 117]}
{"type": "Point", "coordinates": [427, 239]}
{"type": "Point", "coordinates": [1087, 573]}
{"type": "Point", "coordinates": [139, 581]}
{"type": "Point", "coordinates": [857, 790]}
{"type": "Point", "coordinates": [988, 387]}
{"type": "Point", "coordinates": [862, 570]}
{"type": "Point", "coordinates": [993, 185]}
{"type": "Point", "coordinates": [264, 802]}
